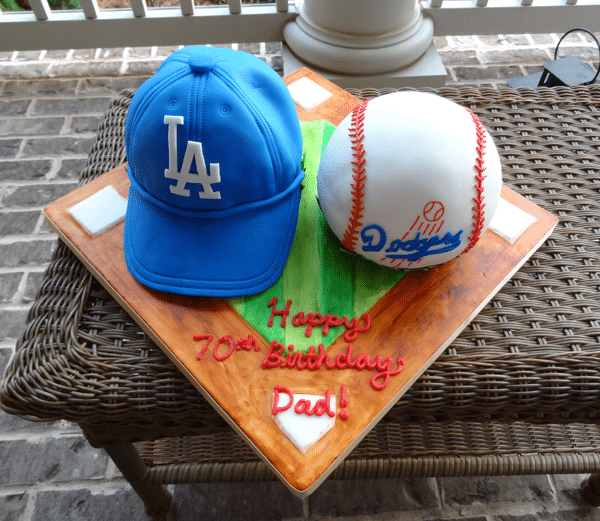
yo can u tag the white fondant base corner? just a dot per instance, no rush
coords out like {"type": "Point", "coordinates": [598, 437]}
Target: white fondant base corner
{"type": "Point", "coordinates": [510, 222]}
{"type": "Point", "coordinates": [101, 211]}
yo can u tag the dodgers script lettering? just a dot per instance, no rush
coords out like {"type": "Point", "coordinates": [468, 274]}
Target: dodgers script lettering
{"type": "Point", "coordinates": [412, 250]}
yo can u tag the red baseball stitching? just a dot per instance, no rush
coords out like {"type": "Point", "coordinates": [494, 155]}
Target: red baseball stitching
{"type": "Point", "coordinates": [479, 208]}
{"type": "Point", "coordinates": [356, 133]}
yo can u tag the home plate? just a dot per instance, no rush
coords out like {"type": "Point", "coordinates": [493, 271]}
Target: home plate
{"type": "Point", "coordinates": [302, 429]}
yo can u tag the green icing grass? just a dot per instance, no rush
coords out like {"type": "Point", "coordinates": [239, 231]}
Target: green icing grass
{"type": "Point", "coordinates": [319, 277]}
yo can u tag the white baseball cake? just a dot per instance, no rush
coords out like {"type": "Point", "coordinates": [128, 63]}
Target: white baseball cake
{"type": "Point", "coordinates": [409, 180]}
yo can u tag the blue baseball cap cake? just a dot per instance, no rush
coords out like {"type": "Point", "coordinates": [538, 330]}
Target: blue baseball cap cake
{"type": "Point", "coordinates": [213, 150]}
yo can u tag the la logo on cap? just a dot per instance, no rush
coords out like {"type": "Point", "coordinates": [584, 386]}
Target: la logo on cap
{"type": "Point", "coordinates": [192, 151]}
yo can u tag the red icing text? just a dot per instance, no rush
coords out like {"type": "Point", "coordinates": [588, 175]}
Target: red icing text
{"type": "Point", "coordinates": [283, 357]}
{"type": "Point", "coordinates": [303, 406]}
{"type": "Point", "coordinates": [344, 403]}
{"type": "Point", "coordinates": [220, 354]}
{"type": "Point", "coordinates": [311, 320]}
{"type": "Point", "coordinates": [313, 361]}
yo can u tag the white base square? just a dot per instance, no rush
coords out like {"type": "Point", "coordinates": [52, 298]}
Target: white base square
{"type": "Point", "coordinates": [100, 212]}
{"type": "Point", "coordinates": [307, 94]}
{"type": "Point", "coordinates": [510, 222]}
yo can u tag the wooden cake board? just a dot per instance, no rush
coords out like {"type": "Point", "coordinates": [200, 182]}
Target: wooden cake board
{"type": "Point", "coordinates": [416, 320]}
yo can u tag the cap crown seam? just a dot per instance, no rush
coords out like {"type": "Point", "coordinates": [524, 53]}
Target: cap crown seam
{"type": "Point", "coordinates": [197, 102]}
{"type": "Point", "coordinates": [138, 110]}
{"type": "Point", "coordinates": [265, 129]}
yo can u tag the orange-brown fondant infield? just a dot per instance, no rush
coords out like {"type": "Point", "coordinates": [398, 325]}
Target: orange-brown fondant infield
{"type": "Point", "coordinates": [416, 320]}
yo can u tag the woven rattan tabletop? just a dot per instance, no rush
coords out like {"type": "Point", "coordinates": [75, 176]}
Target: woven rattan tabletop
{"type": "Point", "coordinates": [532, 354]}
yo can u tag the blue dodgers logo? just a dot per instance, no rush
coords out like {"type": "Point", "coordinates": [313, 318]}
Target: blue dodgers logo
{"type": "Point", "coordinates": [411, 250]}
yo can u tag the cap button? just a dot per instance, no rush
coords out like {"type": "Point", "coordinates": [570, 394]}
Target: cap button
{"type": "Point", "coordinates": [201, 63]}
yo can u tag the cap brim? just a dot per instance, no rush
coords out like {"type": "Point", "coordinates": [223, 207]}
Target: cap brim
{"type": "Point", "coordinates": [235, 255]}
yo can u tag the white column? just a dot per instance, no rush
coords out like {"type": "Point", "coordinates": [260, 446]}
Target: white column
{"type": "Point", "coordinates": [359, 37]}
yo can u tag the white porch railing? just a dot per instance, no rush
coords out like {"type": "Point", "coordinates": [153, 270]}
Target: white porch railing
{"type": "Point", "coordinates": [466, 17]}
{"type": "Point", "coordinates": [92, 27]}
{"type": "Point", "coordinates": [140, 26]}
{"type": "Point", "coordinates": [324, 31]}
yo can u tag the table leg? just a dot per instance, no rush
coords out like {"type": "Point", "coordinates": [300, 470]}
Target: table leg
{"type": "Point", "coordinates": [157, 500]}
{"type": "Point", "coordinates": [590, 489]}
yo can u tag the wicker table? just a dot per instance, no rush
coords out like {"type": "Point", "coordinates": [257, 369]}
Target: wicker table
{"type": "Point", "coordinates": [516, 393]}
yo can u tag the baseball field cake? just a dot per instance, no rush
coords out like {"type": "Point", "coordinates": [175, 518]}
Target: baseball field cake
{"type": "Point", "coordinates": [302, 274]}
